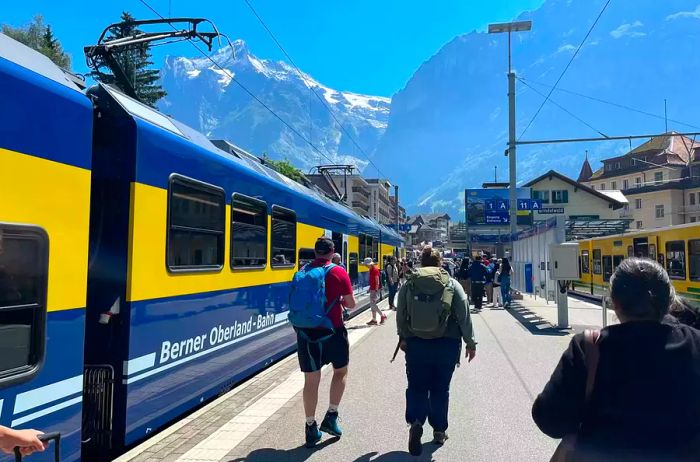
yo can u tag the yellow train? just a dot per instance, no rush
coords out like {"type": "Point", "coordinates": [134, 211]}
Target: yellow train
{"type": "Point", "coordinates": [676, 248]}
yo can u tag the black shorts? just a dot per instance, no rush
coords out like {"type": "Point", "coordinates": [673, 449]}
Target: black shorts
{"type": "Point", "coordinates": [314, 352]}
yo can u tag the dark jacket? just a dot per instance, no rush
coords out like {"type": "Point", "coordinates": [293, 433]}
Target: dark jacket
{"type": "Point", "coordinates": [645, 403]}
{"type": "Point", "coordinates": [478, 272]}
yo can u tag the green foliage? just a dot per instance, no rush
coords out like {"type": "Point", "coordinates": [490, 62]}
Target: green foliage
{"type": "Point", "coordinates": [39, 36]}
{"type": "Point", "coordinates": [135, 61]}
{"type": "Point", "coordinates": [284, 167]}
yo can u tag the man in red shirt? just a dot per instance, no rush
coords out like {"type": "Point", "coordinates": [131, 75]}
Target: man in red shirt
{"type": "Point", "coordinates": [374, 285]}
{"type": "Point", "coordinates": [318, 347]}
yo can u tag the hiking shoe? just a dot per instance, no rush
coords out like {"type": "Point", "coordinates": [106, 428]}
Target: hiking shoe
{"type": "Point", "coordinates": [439, 437]}
{"type": "Point", "coordinates": [372, 323]}
{"type": "Point", "coordinates": [312, 434]}
{"type": "Point", "coordinates": [330, 424]}
{"type": "Point", "coordinates": [383, 320]}
{"type": "Point", "coordinates": [415, 447]}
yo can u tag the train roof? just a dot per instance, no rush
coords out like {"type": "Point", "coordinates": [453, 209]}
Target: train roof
{"type": "Point", "coordinates": [637, 232]}
{"type": "Point", "coordinates": [241, 159]}
{"type": "Point", "coordinates": [31, 59]}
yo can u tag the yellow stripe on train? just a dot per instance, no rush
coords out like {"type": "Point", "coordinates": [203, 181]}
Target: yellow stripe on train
{"type": "Point", "coordinates": [56, 197]}
{"type": "Point", "coordinates": [148, 276]}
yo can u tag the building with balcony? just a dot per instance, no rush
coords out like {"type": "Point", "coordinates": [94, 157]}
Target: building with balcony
{"type": "Point", "coordinates": [357, 190]}
{"type": "Point", "coordinates": [660, 178]}
{"type": "Point", "coordinates": [431, 227]}
{"type": "Point", "coordinates": [380, 205]}
{"type": "Point", "coordinates": [392, 211]}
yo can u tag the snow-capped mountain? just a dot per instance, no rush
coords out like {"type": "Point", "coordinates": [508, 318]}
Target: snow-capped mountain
{"type": "Point", "coordinates": [206, 97]}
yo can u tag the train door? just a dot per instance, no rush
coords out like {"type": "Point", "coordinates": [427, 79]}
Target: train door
{"type": "Point", "coordinates": [617, 259]}
{"type": "Point", "coordinates": [641, 247]}
{"type": "Point", "coordinates": [344, 254]}
{"type": "Point", "coordinates": [353, 268]}
{"type": "Point", "coordinates": [337, 239]}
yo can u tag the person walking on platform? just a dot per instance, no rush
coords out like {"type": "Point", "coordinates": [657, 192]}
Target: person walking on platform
{"type": "Point", "coordinates": [374, 285]}
{"type": "Point", "coordinates": [321, 335]}
{"type": "Point", "coordinates": [392, 277]}
{"type": "Point", "coordinates": [432, 319]}
{"type": "Point", "coordinates": [628, 392]}
{"type": "Point", "coordinates": [477, 274]}
{"type": "Point", "coordinates": [506, 270]}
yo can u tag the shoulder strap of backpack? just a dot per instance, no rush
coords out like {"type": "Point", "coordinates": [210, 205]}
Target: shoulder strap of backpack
{"type": "Point", "coordinates": [592, 352]}
{"type": "Point", "coordinates": [326, 269]}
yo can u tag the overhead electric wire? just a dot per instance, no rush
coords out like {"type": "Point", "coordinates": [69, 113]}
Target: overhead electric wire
{"type": "Point", "coordinates": [244, 88]}
{"type": "Point", "coordinates": [564, 109]}
{"type": "Point", "coordinates": [566, 68]}
{"type": "Point", "coordinates": [611, 103]}
{"type": "Point", "coordinates": [320, 98]}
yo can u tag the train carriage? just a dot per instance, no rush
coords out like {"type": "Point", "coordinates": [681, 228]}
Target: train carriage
{"type": "Point", "coordinates": [676, 248]}
{"type": "Point", "coordinates": [160, 261]}
{"type": "Point", "coordinates": [45, 161]}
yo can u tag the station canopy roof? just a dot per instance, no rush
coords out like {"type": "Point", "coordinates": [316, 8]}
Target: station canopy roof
{"type": "Point", "coordinates": [584, 229]}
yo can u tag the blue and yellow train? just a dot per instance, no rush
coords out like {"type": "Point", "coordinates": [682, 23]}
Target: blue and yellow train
{"type": "Point", "coordinates": [143, 269]}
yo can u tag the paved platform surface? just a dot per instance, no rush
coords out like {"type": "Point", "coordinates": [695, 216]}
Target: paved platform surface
{"type": "Point", "coordinates": [262, 420]}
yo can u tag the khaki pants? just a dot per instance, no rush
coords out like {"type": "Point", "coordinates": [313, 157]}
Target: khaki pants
{"type": "Point", "coordinates": [488, 287]}
{"type": "Point", "coordinates": [373, 299]}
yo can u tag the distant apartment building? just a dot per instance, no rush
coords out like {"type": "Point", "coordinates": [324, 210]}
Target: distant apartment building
{"type": "Point", "coordinates": [367, 197]}
{"type": "Point", "coordinates": [357, 194]}
{"type": "Point", "coordinates": [379, 204]}
{"type": "Point", "coordinates": [660, 179]}
{"type": "Point", "coordinates": [392, 211]}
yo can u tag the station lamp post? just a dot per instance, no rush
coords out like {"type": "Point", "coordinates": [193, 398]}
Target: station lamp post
{"type": "Point", "coordinates": [517, 26]}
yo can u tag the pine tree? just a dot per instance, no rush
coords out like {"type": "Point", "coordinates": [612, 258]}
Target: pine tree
{"type": "Point", "coordinates": [135, 62]}
{"type": "Point", "coordinates": [53, 49]}
{"type": "Point", "coordinates": [40, 37]}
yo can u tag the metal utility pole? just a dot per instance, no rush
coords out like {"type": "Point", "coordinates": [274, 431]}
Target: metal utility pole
{"type": "Point", "coordinates": [517, 26]}
{"type": "Point", "coordinates": [396, 205]}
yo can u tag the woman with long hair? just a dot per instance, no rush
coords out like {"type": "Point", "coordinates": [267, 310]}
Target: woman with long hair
{"type": "Point", "coordinates": [630, 391]}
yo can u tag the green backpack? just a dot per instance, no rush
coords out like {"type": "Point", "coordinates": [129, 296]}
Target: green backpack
{"type": "Point", "coordinates": [429, 302]}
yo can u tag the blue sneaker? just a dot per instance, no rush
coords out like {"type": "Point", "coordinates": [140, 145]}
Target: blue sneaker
{"type": "Point", "coordinates": [313, 436]}
{"type": "Point", "coordinates": [330, 424]}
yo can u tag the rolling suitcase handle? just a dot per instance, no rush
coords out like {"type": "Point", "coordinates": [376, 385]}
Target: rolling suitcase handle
{"type": "Point", "coordinates": [46, 437]}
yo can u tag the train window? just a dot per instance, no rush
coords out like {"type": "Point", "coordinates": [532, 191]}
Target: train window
{"type": "Point", "coordinates": [375, 250]}
{"type": "Point", "coordinates": [694, 259]}
{"type": "Point", "coordinates": [284, 237]}
{"type": "Point", "coordinates": [585, 263]}
{"type": "Point", "coordinates": [652, 251]}
{"type": "Point", "coordinates": [23, 286]}
{"type": "Point", "coordinates": [675, 259]}
{"type": "Point", "coordinates": [196, 224]}
{"type": "Point", "coordinates": [248, 232]}
{"type": "Point", "coordinates": [306, 256]}
{"type": "Point", "coordinates": [353, 268]}
{"type": "Point", "coordinates": [607, 267]}
{"type": "Point", "coordinates": [597, 264]}
{"type": "Point", "coordinates": [362, 239]}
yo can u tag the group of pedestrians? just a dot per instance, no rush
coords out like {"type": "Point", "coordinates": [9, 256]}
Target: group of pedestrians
{"type": "Point", "coordinates": [482, 277]}
{"type": "Point", "coordinates": [628, 392]}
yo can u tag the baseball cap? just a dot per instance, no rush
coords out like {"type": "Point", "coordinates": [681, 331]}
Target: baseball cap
{"type": "Point", "coordinates": [367, 261]}
{"type": "Point", "coordinates": [324, 246]}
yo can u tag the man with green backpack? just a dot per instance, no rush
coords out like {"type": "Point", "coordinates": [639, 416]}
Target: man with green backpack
{"type": "Point", "coordinates": [432, 320]}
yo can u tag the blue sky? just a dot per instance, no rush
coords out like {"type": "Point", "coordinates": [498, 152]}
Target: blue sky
{"type": "Point", "coordinates": [365, 46]}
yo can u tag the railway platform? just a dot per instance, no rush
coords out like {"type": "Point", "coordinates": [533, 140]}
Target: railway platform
{"type": "Point", "coordinates": [262, 419]}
